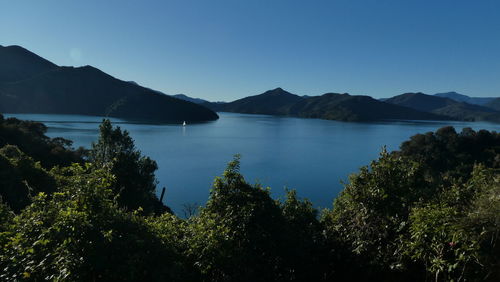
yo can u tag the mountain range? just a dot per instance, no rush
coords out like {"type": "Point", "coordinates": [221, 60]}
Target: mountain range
{"type": "Point", "coordinates": [32, 84]}
{"type": "Point", "coordinates": [345, 107]}
{"type": "Point", "coordinates": [332, 106]}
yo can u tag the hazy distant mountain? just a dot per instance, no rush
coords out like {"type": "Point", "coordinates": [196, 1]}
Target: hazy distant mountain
{"type": "Point", "coordinates": [190, 99]}
{"type": "Point", "coordinates": [272, 102]}
{"type": "Point", "coordinates": [494, 104]}
{"type": "Point", "coordinates": [39, 86]}
{"type": "Point", "coordinates": [464, 98]}
{"type": "Point", "coordinates": [444, 106]}
{"type": "Point", "coordinates": [329, 106]}
{"type": "Point", "coordinates": [355, 108]}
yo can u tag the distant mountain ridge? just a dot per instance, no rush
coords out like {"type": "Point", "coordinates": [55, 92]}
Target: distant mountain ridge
{"type": "Point", "coordinates": [331, 106]}
{"type": "Point", "coordinates": [189, 99]}
{"type": "Point", "coordinates": [464, 98]}
{"type": "Point", "coordinates": [31, 84]}
{"type": "Point", "coordinates": [445, 107]}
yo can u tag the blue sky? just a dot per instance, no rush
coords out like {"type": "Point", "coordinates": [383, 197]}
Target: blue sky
{"type": "Point", "coordinates": [228, 49]}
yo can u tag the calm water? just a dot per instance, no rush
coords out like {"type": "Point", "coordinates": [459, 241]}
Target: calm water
{"type": "Point", "coordinates": [309, 155]}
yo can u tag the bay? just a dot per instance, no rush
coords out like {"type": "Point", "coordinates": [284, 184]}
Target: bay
{"type": "Point", "coordinates": [310, 155]}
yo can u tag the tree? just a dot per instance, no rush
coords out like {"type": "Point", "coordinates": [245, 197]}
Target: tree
{"type": "Point", "coordinates": [458, 240]}
{"type": "Point", "coordinates": [306, 254]}
{"type": "Point", "coordinates": [447, 152]}
{"type": "Point", "coordinates": [135, 179]}
{"type": "Point", "coordinates": [30, 138]}
{"type": "Point", "coordinates": [239, 235]}
{"type": "Point", "coordinates": [371, 214]}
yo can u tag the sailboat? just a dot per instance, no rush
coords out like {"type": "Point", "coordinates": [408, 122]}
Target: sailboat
{"type": "Point", "coordinates": [184, 123]}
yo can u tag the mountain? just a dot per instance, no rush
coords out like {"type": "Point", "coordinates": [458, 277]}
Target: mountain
{"type": "Point", "coordinates": [420, 101]}
{"type": "Point", "coordinates": [328, 106]}
{"type": "Point", "coordinates": [346, 107]}
{"type": "Point", "coordinates": [38, 86]}
{"type": "Point", "coordinates": [464, 98]}
{"type": "Point", "coordinates": [190, 99]}
{"type": "Point", "coordinates": [272, 102]}
{"type": "Point", "coordinates": [444, 106]}
{"type": "Point", "coordinates": [18, 63]}
{"type": "Point", "coordinates": [494, 104]}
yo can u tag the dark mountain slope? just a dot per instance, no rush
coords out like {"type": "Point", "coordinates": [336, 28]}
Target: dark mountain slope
{"type": "Point", "coordinates": [89, 91]}
{"type": "Point", "coordinates": [17, 63]}
{"type": "Point", "coordinates": [272, 102]}
{"type": "Point", "coordinates": [355, 108]}
{"type": "Point", "coordinates": [444, 106]}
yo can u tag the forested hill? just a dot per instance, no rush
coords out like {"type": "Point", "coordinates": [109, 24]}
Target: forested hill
{"type": "Point", "coordinates": [271, 102]}
{"type": "Point", "coordinates": [31, 84]}
{"type": "Point", "coordinates": [356, 108]}
{"type": "Point", "coordinates": [332, 106]}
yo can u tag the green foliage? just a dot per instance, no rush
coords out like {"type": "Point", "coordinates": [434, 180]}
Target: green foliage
{"type": "Point", "coordinates": [482, 221]}
{"type": "Point", "coordinates": [6, 217]}
{"type": "Point", "coordinates": [135, 179]}
{"type": "Point", "coordinates": [372, 212]}
{"type": "Point", "coordinates": [428, 212]}
{"type": "Point", "coordinates": [30, 138]}
{"type": "Point", "coordinates": [457, 240]}
{"type": "Point", "coordinates": [80, 234]}
{"type": "Point", "coordinates": [450, 153]}
{"type": "Point", "coordinates": [238, 235]}
{"type": "Point", "coordinates": [21, 177]}
{"type": "Point", "coordinates": [306, 252]}
{"type": "Point", "coordinates": [438, 242]}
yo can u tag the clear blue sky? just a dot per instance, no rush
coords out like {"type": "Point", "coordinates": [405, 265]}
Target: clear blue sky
{"type": "Point", "coordinates": [224, 50]}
